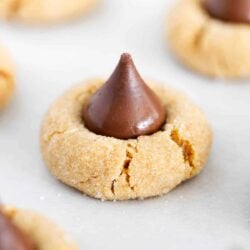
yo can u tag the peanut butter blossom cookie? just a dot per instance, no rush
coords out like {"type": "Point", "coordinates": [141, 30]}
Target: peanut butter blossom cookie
{"type": "Point", "coordinates": [26, 230]}
{"type": "Point", "coordinates": [6, 77]}
{"type": "Point", "coordinates": [44, 11]}
{"type": "Point", "coordinates": [212, 36]}
{"type": "Point", "coordinates": [122, 138]}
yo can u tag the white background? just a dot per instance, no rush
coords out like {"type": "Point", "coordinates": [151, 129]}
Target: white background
{"type": "Point", "coordinates": [211, 211]}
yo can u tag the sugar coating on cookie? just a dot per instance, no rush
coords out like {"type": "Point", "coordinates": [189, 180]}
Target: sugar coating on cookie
{"type": "Point", "coordinates": [6, 77]}
{"type": "Point", "coordinates": [115, 169]}
{"type": "Point", "coordinates": [44, 11]}
{"type": "Point", "coordinates": [42, 232]}
{"type": "Point", "coordinates": [207, 44]}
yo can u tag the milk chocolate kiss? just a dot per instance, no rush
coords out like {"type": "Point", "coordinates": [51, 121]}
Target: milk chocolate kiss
{"type": "Point", "coordinates": [11, 238]}
{"type": "Point", "coordinates": [124, 107]}
{"type": "Point", "coordinates": [237, 11]}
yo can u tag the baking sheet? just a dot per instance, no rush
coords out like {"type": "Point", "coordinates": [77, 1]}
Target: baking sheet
{"type": "Point", "coordinates": [211, 211]}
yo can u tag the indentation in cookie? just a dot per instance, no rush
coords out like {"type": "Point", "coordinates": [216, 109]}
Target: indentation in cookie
{"type": "Point", "coordinates": [186, 146]}
{"type": "Point", "coordinates": [53, 134]}
{"type": "Point", "coordinates": [10, 7]}
{"type": "Point", "coordinates": [6, 87]}
{"type": "Point", "coordinates": [15, 6]}
{"type": "Point", "coordinates": [131, 150]}
{"type": "Point", "coordinates": [199, 36]}
{"type": "Point", "coordinates": [5, 75]}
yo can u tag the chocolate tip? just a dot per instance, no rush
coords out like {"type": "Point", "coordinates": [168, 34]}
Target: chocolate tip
{"type": "Point", "coordinates": [126, 58]}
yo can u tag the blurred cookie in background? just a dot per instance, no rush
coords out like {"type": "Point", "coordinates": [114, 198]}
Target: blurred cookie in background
{"type": "Point", "coordinates": [44, 11]}
{"type": "Point", "coordinates": [26, 230]}
{"type": "Point", "coordinates": [7, 80]}
{"type": "Point", "coordinates": [212, 36]}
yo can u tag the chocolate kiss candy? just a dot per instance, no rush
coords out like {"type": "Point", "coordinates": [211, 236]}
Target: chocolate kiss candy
{"type": "Point", "coordinates": [11, 238]}
{"type": "Point", "coordinates": [124, 107]}
{"type": "Point", "coordinates": [229, 10]}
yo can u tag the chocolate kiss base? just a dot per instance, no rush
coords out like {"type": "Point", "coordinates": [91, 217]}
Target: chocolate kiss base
{"type": "Point", "coordinates": [124, 107]}
{"type": "Point", "coordinates": [229, 10]}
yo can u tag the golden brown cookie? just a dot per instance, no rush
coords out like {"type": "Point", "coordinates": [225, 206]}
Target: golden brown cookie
{"type": "Point", "coordinates": [44, 11]}
{"type": "Point", "coordinates": [6, 77]}
{"type": "Point", "coordinates": [206, 44]}
{"type": "Point", "coordinates": [115, 169]}
{"type": "Point", "coordinates": [44, 234]}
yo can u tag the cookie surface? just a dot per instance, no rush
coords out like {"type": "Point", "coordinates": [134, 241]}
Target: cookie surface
{"type": "Point", "coordinates": [44, 11]}
{"type": "Point", "coordinates": [113, 169]}
{"type": "Point", "coordinates": [44, 234]}
{"type": "Point", "coordinates": [208, 45]}
{"type": "Point", "coordinates": [6, 77]}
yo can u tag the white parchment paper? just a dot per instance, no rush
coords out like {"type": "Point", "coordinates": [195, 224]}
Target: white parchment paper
{"type": "Point", "coordinates": [211, 211]}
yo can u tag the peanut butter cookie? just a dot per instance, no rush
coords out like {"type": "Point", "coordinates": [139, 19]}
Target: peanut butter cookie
{"type": "Point", "coordinates": [211, 36]}
{"type": "Point", "coordinates": [120, 139]}
{"type": "Point", "coordinates": [44, 11]}
{"type": "Point", "coordinates": [26, 230]}
{"type": "Point", "coordinates": [6, 77]}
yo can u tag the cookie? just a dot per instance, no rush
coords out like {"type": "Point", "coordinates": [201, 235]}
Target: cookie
{"type": "Point", "coordinates": [110, 168]}
{"type": "Point", "coordinates": [80, 150]}
{"type": "Point", "coordinates": [6, 77]}
{"type": "Point", "coordinates": [210, 44]}
{"type": "Point", "coordinates": [38, 231]}
{"type": "Point", "coordinates": [44, 11]}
